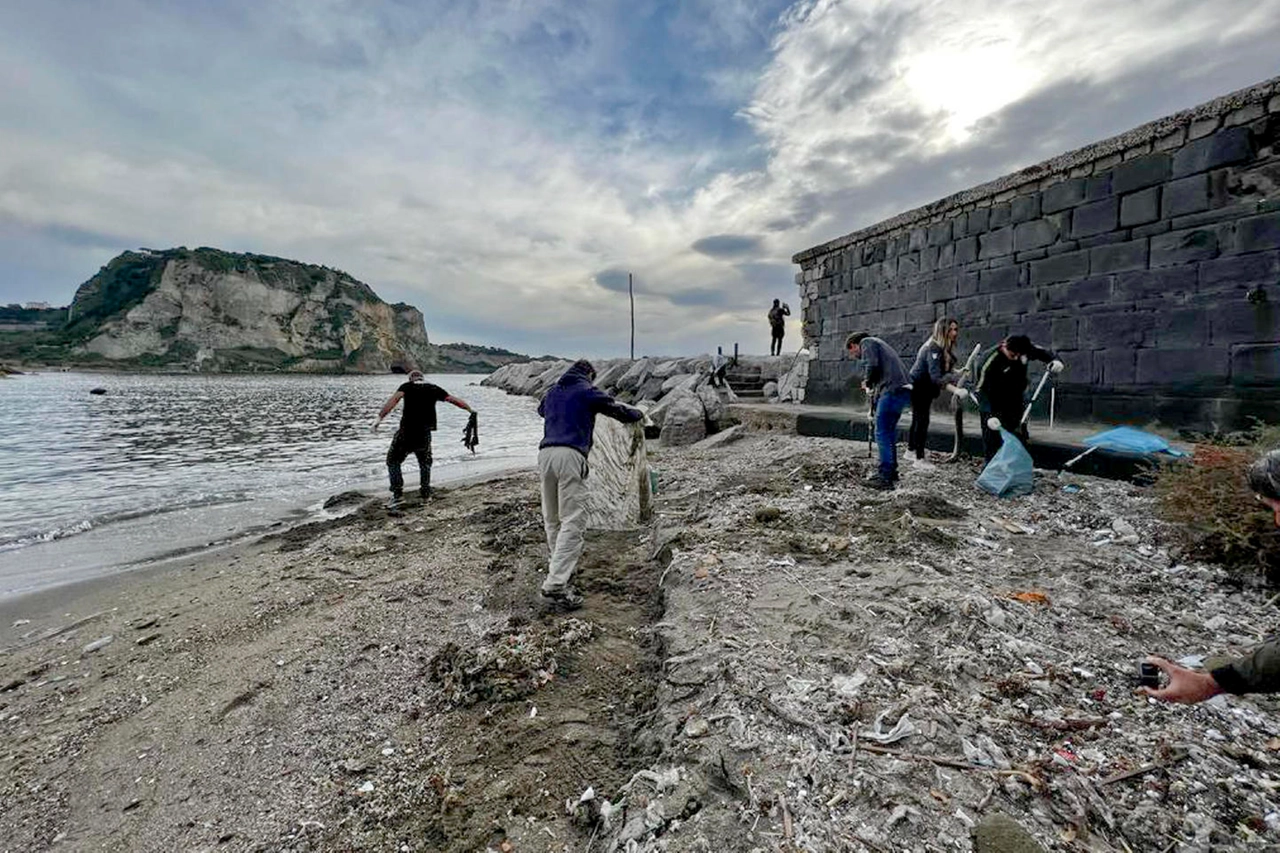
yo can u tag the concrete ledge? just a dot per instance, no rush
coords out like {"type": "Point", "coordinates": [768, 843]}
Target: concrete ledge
{"type": "Point", "coordinates": [1047, 453]}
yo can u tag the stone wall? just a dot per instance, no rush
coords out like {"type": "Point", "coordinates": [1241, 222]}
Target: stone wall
{"type": "Point", "coordinates": [1150, 261]}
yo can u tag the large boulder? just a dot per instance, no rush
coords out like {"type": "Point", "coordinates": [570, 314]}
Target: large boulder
{"type": "Point", "coordinates": [713, 405]}
{"type": "Point", "coordinates": [635, 375]}
{"type": "Point", "coordinates": [685, 381]}
{"type": "Point", "coordinates": [618, 480]}
{"type": "Point", "coordinates": [685, 420]}
{"type": "Point", "coordinates": [651, 389]}
{"type": "Point", "coordinates": [610, 371]}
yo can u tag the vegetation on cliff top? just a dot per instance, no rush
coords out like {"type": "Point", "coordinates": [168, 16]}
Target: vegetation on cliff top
{"type": "Point", "coordinates": [56, 336]}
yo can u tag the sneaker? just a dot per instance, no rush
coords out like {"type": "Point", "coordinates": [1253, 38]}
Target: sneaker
{"type": "Point", "coordinates": [923, 464]}
{"type": "Point", "coordinates": [396, 503]}
{"type": "Point", "coordinates": [425, 494]}
{"type": "Point", "coordinates": [565, 599]}
{"type": "Point", "coordinates": [879, 483]}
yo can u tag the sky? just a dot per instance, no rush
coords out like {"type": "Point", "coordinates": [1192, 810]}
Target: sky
{"type": "Point", "coordinates": [503, 165]}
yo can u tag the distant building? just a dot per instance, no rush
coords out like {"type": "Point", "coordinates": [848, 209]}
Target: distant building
{"type": "Point", "coordinates": [36, 306]}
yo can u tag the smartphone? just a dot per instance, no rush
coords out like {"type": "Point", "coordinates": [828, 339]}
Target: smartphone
{"type": "Point", "coordinates": [1148, 675]}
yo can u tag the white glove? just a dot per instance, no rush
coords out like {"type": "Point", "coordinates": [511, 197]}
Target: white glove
{"type": "Point", "coordinates": [961, 393]}
{"type": "Point", "coordinates": [376, 423]}
{"type": "Point", "coordinates": [1056, 366]}
{"type": "Point", "coordinates": [993, 423]}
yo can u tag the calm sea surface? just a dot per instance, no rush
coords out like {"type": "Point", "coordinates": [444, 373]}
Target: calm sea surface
{"type": "Point", "coordinates": [160, 464]}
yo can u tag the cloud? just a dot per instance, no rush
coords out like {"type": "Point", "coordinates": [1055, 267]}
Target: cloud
{"type": "Point", "coordinates": [727, 245]}
{"type": "Point", "coordinates": [504, 165]}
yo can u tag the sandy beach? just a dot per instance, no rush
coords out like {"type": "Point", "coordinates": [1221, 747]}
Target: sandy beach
{"type": "Point", "coordinates": [782, 660]}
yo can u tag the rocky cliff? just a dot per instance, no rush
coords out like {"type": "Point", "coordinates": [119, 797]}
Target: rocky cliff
{"type": "Point", "coordinates": [221, 311]}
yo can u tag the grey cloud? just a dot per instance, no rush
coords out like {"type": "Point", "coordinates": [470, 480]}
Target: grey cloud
{"type": "Point", "coordinates": [727, 245]}
{"type": "Point", "coordinates": [613, 279]}
{"type": "Point", "coordinates": [700, 297]}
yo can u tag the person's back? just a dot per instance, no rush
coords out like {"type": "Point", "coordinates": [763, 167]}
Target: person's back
{"type": "Point", "coordinates": [570, 407]}
{"type": "Point", "coordinates": [884, 366]}
{"type": "Point", "coordinates": [419, 412]}
{"type": "Point", "coordinates": [569, 412]}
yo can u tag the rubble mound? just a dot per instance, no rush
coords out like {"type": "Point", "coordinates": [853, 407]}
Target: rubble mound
{"type": "Point", "coordinates": [508, 667]}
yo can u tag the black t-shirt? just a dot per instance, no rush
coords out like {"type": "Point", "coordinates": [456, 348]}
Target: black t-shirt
{"type": "Point", "coordinates": [419, 413]}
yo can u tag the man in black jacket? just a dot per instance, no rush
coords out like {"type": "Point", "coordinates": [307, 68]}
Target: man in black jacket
{"type": "Point", "coordinates": [1002, 385]}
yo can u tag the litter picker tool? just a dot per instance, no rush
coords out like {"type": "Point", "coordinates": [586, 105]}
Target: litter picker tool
{"type": "Point", "coordinates": [1026, 413]}
{"type": "Point", "coordinates": [965, 373]}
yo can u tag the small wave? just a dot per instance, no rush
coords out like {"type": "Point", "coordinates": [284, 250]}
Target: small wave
{"type": "Point", "coordinates": [45, 536]}
{"type": "Point", "coordinates": [85, 525]}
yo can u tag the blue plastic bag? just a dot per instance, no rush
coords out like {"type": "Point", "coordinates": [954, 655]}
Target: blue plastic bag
{"type": "Point", "coordinates": [1132, 441]}
{"type": "Point", "coordinates": [1010, 472]}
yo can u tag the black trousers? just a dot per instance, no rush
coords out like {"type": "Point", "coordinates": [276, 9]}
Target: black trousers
{"type": "Point", "coordinates": [1009, 419]}
{"type": "Point", "coordinates": [401, 446]}
{"type": "Point", "coordinates": [922, 398]}
{"type": "Point", "coordinates": [775, 346]}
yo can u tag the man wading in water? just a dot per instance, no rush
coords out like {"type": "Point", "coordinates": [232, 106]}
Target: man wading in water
{"type": "Point", "coordinates": [417, 422]}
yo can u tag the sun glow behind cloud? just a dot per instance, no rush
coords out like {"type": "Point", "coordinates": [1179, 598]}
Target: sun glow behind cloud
{"type": "Point", "coordinates": [969, 82]}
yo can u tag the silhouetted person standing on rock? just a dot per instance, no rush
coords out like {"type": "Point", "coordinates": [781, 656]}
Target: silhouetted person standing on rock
{"type": "Point", "coordinates": [778, 325]}
{"type": "Point", "coordinates": [569, 414]}
{"type": "Point", "coordinates": [417, 422]}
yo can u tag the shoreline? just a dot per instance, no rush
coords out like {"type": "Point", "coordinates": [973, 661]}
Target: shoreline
{"type": "Point", "coordinates": [11, 604]}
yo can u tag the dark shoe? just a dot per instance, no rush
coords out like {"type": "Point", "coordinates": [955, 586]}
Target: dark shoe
{"type": "Point", "coordinates": [396, 503]}
{"type": "Point", "coordinates": [879, 483]}
{"type": "Point", "coordinates": [425, 494]}
{"type": "Point", "coordinates": [564, 599]}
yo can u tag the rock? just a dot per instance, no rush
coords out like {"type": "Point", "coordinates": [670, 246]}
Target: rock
{"type": "Point", "coordinates": [344, 499]}
{"type": "Point", "coordinates": [100, 643]}
{"type": "Point", "coordinates": [684, 421]}
{"type": "Point", "coordinates": [721, 438]}
{"type": "Point", "coordinates": [635, 376]}
{"type": "Point", "coordinates": [650, 389]}
{"type": "Point", "coordinates": [685, 381]}
{"type": "Point", "coordinates": [998, 834]}
{"type": "Point", "coordinates": [147, 639]}
{"type": "Point", "coordinates": [696, 727]}
{"type": "Point", "coordinates": [355, 766]}
{"type": "Point", "coordinates": [768, 514]}
{"type": "Point", "coordinates": [770, 390]}
{"type": "Point", "coordinates": [713, 407]}
{"type": "Point", "coordinates": [98, 391]}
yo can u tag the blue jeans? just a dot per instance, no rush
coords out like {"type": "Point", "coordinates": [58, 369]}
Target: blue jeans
{"type": "Point", "coordinates": [888, 413]}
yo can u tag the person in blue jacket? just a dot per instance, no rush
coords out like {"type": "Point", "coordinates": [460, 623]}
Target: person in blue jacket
{"type": "Point", "coordinates": [885, 380]}
{"type": "Point", "coordinates": [569, 412]}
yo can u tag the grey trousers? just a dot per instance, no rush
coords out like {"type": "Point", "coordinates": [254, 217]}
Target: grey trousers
{"type": "Point", "coordinates": [563, 472]}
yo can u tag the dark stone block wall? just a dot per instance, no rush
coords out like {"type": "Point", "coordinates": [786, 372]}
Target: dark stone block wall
{"type": "Point", "coordinates": [1150, 262]}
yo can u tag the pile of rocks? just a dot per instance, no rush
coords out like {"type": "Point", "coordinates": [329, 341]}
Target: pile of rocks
{"type": "Point", "coordinates": [676, 393]}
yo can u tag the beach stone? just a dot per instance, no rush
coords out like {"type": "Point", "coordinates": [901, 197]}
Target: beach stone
{"type": "Point", "coordinates": [343, 499]}
{"type": "Point", "coordinates": [770, 390]}
{"type": "Point", "coordinates": [100, 643]}
{"type": "Point", "coordinates": [996, 833]}
{"type": "Point", "coordinates": [618, 483]}
{"type": "Point", "coordinates": [650, 389]}
{"type": "Point", "coordinates": [722, 438]}
{"type": "Point", "coordinates": [684, 421]}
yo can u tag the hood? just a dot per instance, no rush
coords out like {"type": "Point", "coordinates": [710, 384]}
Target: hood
{"type": "Point", "coordinates": [579, 371]}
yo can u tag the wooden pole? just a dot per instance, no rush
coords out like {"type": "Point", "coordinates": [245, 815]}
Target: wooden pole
{"type": "Point", "coordinates": [632, 294]}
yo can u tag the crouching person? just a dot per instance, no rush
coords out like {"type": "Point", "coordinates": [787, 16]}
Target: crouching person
{"type": "Point", "coordinates": [569, 412]}
{"type": "Point", "coordinates": [1256, 672]}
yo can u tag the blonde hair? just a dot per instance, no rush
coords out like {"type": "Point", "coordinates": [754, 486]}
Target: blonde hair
{"type": "Point", "coordinates": [940, 337]}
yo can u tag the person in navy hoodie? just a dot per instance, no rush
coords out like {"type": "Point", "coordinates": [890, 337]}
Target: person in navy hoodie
{"type": "Point", "coordinates": [569, 412]}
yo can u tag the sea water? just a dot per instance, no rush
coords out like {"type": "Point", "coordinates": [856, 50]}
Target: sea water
{"type": "Point", "coordinates": [162, 464]}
